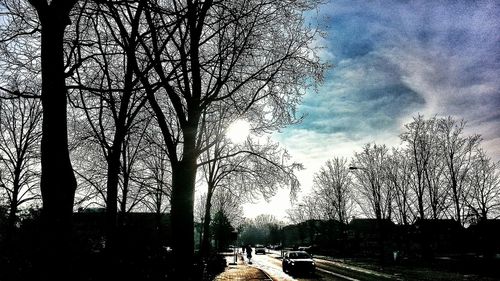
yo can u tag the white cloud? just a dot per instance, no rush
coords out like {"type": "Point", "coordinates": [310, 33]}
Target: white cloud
{"type": "Point", "coordinates": [313, 149]}
{"type": "Point", "coordinates": [444, 54]}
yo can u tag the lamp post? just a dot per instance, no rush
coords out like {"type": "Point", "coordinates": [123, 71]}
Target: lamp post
{"type": "Point", "coordinates": [234, 235]}
{"type": "Point", "coordinates": [357, 168]}
{"type": "Point", "coordinates": [282, 236]}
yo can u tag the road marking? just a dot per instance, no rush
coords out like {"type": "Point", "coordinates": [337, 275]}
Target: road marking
{"type": "Point", "coordinates": [336, 274]}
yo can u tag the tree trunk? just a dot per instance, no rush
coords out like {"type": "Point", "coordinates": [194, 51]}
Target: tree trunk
{"type": "Point", "coordinates": [456, 200]}
{"type": "Point", "coordinates": [420, 198]}
{"type": "Point", "coordinates": [11, 226]}
{"type": "Point", "coordinates": [125, 187]}
{"type": "Point", "coordinates": [114, 163]}
{"type": "Point", "coordinates": [57, 182]}
{"type": "Point", "coordinates": [112, 195]}
{"type": "Point", "coordinates": [11, 223]}
{"type": "Point", "coordinates": [125, 190]}
{"type": "Point", "coordinates": [205, 242]}
{"type": "Point", "coordinates": [183, 182]}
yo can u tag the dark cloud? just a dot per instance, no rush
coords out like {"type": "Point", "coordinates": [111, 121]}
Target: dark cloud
{"type": "Point", "coordinates": [396, 58]}
{"type": "Point", "coordinates": [359, 112]}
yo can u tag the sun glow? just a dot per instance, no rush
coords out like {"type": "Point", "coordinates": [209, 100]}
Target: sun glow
{"type": "Point", "coordinates": [238, 131]}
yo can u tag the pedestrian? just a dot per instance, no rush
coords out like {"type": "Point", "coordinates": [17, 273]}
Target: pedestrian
{"type": "Point", "coordinates": [249, 254]}
{"type": "Point", "coordinates": [243, 248]}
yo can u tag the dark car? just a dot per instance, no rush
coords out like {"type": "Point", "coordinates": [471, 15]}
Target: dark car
{"type": "Point", "coordinates": [259, 249]}
{"type": "Point", "coordinates": [298, 262]}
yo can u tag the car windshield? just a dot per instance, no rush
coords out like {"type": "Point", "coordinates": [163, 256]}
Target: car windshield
{"type": "Point", "coordinates": [299, 255]}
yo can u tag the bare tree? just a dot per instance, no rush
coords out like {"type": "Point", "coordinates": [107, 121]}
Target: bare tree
{"type": "Point", "coordinates": [89, 163]}
{"type": "Point", "coordinates": [247, 171]}
{"type": "Point", "coordinates": [223, 200]}
{"type": "Point", "coordinates": [20, 133]}
{"type": "Point", "coordinates": [304, 210]}
{"type": "Point", "coordinates": [484, 181]}
{"type": "Point", "coordinates": [375, 194]}
{"type": "Point", "coordinates": [259, 168]}
{"type": "Point", "coordinates": [252, 56]}
{"type": "Point", "coordinates": [133, 155]}
{"type": "Point", "coordinates": [264, 220]}
{"type": "Point", "coordinates": [437, 199]}
{"type": "Point", "coordinates": [230, 203]}
{"type": "Point", "coordinates": [421, 140]}
{"type": "Point", "coordinates": [458, 152]}
{"type": "Point", "coordinates": [19, 49]}
{"type": "Point", "coordinates": [57, 182]}
{"type": "Point", "coordinates": [157, 174]}
{"type": "Point", "coordinates": [263, 229]}
{"type": "Point", "coordinates": [399, 175]}
{"type": "Point", "coordinates": [106, 89]}
{"type": "Point", "coordinates": [332, 188]}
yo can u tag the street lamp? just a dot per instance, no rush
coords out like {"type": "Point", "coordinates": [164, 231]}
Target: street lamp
{"type": "Point", "coordinates": [365, 170]}
{"type": "Point", "coordinates": [356, 168]}
{"type": "Point", "coordinates": [234, 235]}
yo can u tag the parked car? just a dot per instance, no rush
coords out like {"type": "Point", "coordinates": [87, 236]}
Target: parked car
{"type": "Point", "coordinates": [298, 262]}
{"type": "Point", "coordinates": [260, 249]}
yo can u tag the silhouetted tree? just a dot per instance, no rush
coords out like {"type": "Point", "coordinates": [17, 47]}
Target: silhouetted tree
{"type": "Point", "coordinates": [399, 175]}
{"type": "Point", "coordinates": [248, 170]}
{"type": "Point", "coordinates": [157, 174]}
{"type": "Point", "coordinates": [458, 152]}
{"type": "Point", "coordinates": [375, 194]}
{"type": "Point", "coordinates": [20, 133]}
{"type": "Point", "coordinates": [420, 138]}
{"type": "Point", "coordinates": [304, 210]}
{"type": "Point", "coordinates": [333, 190]}
{"type": "Point", "coordinates": [483, 179]}
{"type": "Point", "coordinates": [230, 202]}
{"type": "Point", "coordinates": [263, 229]}
{"type": "Point", "coordinates": [106, 89]}
{"type": "Point", "coordinates": [58, 182]}
{"type": "Point", "coordinates": [251, 56]}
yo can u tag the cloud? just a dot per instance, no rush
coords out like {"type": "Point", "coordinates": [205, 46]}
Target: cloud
{"type": "Point", "coordinates": [313, 148]}
{"type": "Point", "coordinates": [393, 60]}
{"type": "Point", "coordinates": [396, 59]}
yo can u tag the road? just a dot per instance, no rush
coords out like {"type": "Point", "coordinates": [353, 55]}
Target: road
{"type": "Point", "coordinates": [324, 269]}
{"type": "Point", "coordinates": [328, 269]}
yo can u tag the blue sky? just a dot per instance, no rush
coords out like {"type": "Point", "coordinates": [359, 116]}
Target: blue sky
{"type": "Point", "coordinates": [393, 60]}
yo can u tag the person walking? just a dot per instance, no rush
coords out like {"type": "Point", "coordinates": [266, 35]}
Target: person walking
{"type": "Point", "coordinates": [249, 254]}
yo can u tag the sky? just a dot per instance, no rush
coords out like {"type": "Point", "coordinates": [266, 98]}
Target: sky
{"type": "Point", "coordinates": [392, 60]}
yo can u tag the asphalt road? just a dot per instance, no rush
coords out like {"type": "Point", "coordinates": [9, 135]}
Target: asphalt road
{"type": "Point", "coordinates": [272, 266]}
{"type": "Point", "coordinates": [327, 269]}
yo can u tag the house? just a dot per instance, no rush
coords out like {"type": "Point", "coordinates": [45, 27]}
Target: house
{"type": "Point", "coordinates": [438, 236]}
{"type": "Point", "coordinates": [484, 237]}
{"type": "Point", "coordinates": [368, 236]}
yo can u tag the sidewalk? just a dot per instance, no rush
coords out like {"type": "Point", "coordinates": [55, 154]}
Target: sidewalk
{"type": "Point", "coordinates": [241, 271]}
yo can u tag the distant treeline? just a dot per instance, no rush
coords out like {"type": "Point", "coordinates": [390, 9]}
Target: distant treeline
{"type": "Point", "coordinates": [382, 238]}
{"type": "Point", "coordinates": [438, 172]}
